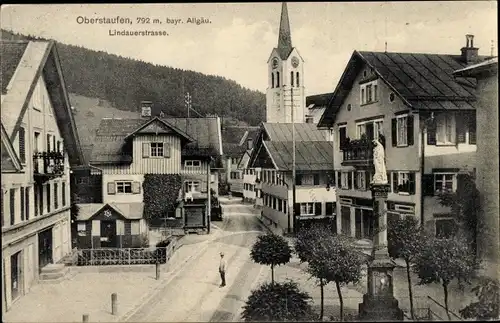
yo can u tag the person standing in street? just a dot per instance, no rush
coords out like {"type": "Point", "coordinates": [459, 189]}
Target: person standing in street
{"type": "Point", "coordinates": [222, 270]}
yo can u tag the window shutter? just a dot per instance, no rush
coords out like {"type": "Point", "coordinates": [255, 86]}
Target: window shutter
{"type": "Point", "coordinates": [298, 179]}
{"type": "Point", "coordinates": [166, 150]}
{"type": "Point", "coordinates": [472, 129]}
{"type": "Point", "coordinates": [23, 205]}
{"type": "Point", "coordinates": [339, 179]}
{"type": "Point", "coordinates": [22, 146]}
{"type": "Point", "coordinates": [409, 129]}
{"type": "Point", "coordinates": [136, 187]}
{"type": "Point", "coordinates": [317, 208]}
{"type": "Point", "coordinates": [316, 179]}
{"type": "Point", "coordinates": [460, 131]}
{"type": "Point", "coordinates": [145, 150]}
{"type": "Point", "coordinates": [111, 188]}
{"type": "Point", "coordinates": [394, 132]}
{"type": "Point", "coordinates": [431, 134]}
{"type": "Point", "coordinates": [53, 143]}
{"type": "Point", "coordinates": [349, 178]}
{"type": "Point", "coordinates": [395, 188]}
{"type": "Point", "coordinates": [48, 143]}
{"type": "Point", "coordinates": [428, 184]}
{"type": "Point", "coordinates": [203, 187]}
{"type": "Point", "coordinates": [329, 208]}
{"type": "Point", "coordinates": [411, 178]}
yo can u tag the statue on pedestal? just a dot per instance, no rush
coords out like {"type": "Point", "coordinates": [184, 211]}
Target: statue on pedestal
{"type": "Point", "coordinates": [380, 176]}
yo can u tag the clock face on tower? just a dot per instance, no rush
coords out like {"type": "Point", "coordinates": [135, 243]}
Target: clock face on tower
{"type": "Point", "coordinates": [295, 62]}
{"type": "Point", "coordinates": [275, 63]}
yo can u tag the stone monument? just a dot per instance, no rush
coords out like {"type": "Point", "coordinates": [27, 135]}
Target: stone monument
{"type": "Point", "coordinates": [379, 303]}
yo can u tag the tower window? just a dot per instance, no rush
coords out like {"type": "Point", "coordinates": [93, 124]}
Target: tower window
{"type": "Point", "coordinates": [291, 78]}
{"type": "Point", "coordinates": [277, 79]}
{"type": "Point", "coordinates": [272, 80]}
{"type": "Point", "coordinates": [298, 82]}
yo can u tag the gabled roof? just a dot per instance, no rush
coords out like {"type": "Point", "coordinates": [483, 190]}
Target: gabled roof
{"type": "Point", "coordinates": [10, 161]}
{"type": "Point", "coordinates": [309, 155]}
{"type": "Point", "coordinates": [319, 99]}
{"type": "Point", "coordinates": [22, 64]}
{"type": "Point", "coordinates": [234, 139]}
{"type": "Point", "coordinates": [111, 145]}
{"type": "Point", "coordinates": [283, 132]}
{"type": "Point", "coordinates": [165, 123]}
{"type": "Point", "coordinates": [422, 81]}
{"type": "Point", "coordinates": [130, 211]}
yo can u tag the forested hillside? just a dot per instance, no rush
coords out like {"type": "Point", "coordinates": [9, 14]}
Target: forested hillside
{"type": "Point", "coordinates": [125, 82]}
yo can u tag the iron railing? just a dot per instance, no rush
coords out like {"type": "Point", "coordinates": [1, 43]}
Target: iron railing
{"type": "Point", "coordinates": [357, 152]}
{"type": "Point", "coordinates": [124, 256]}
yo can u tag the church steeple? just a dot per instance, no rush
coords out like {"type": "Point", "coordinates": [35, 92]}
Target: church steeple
{"type": "Point", "coordinates": [284, 37]}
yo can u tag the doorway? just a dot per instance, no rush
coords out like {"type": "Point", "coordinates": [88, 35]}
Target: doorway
{"type": "Point", "coordinates": [44, 248]}
{"type": "Point", "coordinates": [15, 275]}
{"type": "Point", "coordinates": [108, 234]}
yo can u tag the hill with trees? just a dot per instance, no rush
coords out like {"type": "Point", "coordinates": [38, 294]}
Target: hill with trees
{"type": "Point", "coordinates": [124, 82]}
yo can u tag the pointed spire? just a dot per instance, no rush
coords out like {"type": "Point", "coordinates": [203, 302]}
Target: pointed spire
{"type": "Point", "coordinates": [285, 37]}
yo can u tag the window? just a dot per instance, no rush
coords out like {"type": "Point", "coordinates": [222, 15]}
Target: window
{"type": "Point", "coordinates": [346, 180]}
{"type": "Point", "coordinates": [81, 228]}
{"type": "Point", "coordinates": [403, 182]}
{"type": "Point", "coordinates": [360, 180]}
{"type": "Point", "coordinates": [291, 78]}
{"type": "Point", "coordinates": [330, 208]}
{"type": "Point", "coordinates": [49, 140]}
{"type": "Point", "coordinates": [280, 203]}
{"type": "Point", "coordinates": [445, 129]}
{"type": "Point", "coordinates": [277, 79]}
{"type": "Point", "coordinates": [402, 131]}
{"type": "Point", "coordinates": [298, 79]}
{"type": "Point", "coordinates": [445, 182]}
{"type": "Point", "coordinates": [306, 208]}
{"type": "Point", "coordinates": [234, 160]}
{"type": "Point", "coordinates": [309, 119]}
{"type": "Point", "coordinates": [342, 136]}
{"type": "Point", "coordinates": [12, 206]}
{"type": "Point", "coordinates": [156, 149]}
{"type": "Point", "coordinates": [123, 187]}
{"type": "Point", "coordinates": [372, 129]}
{"type": "Point", "coordinates": [306, 179]}
{"type": "Point", "coordinates": [192, 164]}
{"type": "Point", "coordinates": [446, 226]}
{"type": "Point", "coordinates": [272, 80]}
{"type": "Point", "coordinates": [274, 203]}
{"type": "Point", "coordinates": [192, 186]}
{"type": "Point", "coordinates": [369, 92]}
{"type": "Point", "coordinates": [22, 146]}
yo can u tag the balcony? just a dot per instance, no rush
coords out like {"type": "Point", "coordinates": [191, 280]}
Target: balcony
{"type": "Point", "coordinates": [48, 165]}
{"type": "Point", "coordinates": [358, 153]}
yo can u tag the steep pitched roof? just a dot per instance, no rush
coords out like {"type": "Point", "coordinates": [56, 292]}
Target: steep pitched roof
{"type": "Point", "coordinates": [38, 58]}
{"type": "Point", "coordinates": [111, 145]}
{"type": "Point", "coordinates": [283, 132]}
{"type": "Point", "coordinates": [234, 138]}
{"type": "Point", "coordinates": [10, 161]}
{"type": "Point", "coordinates": [319, 99]}
{"type": "Point", "coordinates": [309, 155]}
{"type": "Point", "coordinates": [165, 123]}
{"type": "Point", "coordinates": [130, 211]}
{"type": "Point", "coordinates": [285, 36]}
{"type": "Point", "coordinates": [422, 81]}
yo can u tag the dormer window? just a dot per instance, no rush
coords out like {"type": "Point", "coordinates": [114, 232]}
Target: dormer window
{"type": "Point", "coordinates": [155, 150]}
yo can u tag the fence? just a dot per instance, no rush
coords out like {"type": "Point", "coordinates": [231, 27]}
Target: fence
{"type": "Point", "coordinates": [426, 309]}
{"type": "Point", "coordinates": [125, 256]}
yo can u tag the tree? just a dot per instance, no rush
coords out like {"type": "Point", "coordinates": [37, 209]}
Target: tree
{"type": "Point", "coordinates": [442, 261]}
{"type": "Point", "coordinates": [281, 302]}
{"type": "Point", "coordinates": [305, 244]}
{"type": "Point", "coordinates": [271, 250]}
{"type": "Point", "coordinates": [464, 204]}
{"type": "Point", "coordinates": [405, 239]}
{"type": "Point", "coordinates": [335, 259]}
{"type": "Point", "coordinates": [487, 306]}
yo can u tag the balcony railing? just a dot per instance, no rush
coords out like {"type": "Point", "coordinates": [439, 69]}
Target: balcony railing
{"type": "Point", "coordinates": [47, 165]}
{"type": "Point", "coordinates": [357, 153]}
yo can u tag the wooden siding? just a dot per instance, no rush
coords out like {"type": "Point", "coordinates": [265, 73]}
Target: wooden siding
{"type": "Point", "coordinates": [150, 165]}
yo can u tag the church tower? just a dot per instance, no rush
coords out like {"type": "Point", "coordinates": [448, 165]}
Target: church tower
{"type": "Point", "coordinates": [285, 78]}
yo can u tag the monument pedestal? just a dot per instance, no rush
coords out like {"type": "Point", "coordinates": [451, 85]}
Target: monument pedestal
{"type": "Point", "coordinates": [379, 303]}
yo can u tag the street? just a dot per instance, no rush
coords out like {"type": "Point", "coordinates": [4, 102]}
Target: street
{"type": "Point", "coordinates": [194, 294]}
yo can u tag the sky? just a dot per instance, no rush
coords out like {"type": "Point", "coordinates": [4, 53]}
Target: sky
{"type": "Point", "coordinates": [237, 42]}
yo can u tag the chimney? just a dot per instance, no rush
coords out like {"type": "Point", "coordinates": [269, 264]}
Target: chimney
{"type": "Point", "coordinates": [146, 109]}
{"type": "Point", "coordinates": [469, 52]}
